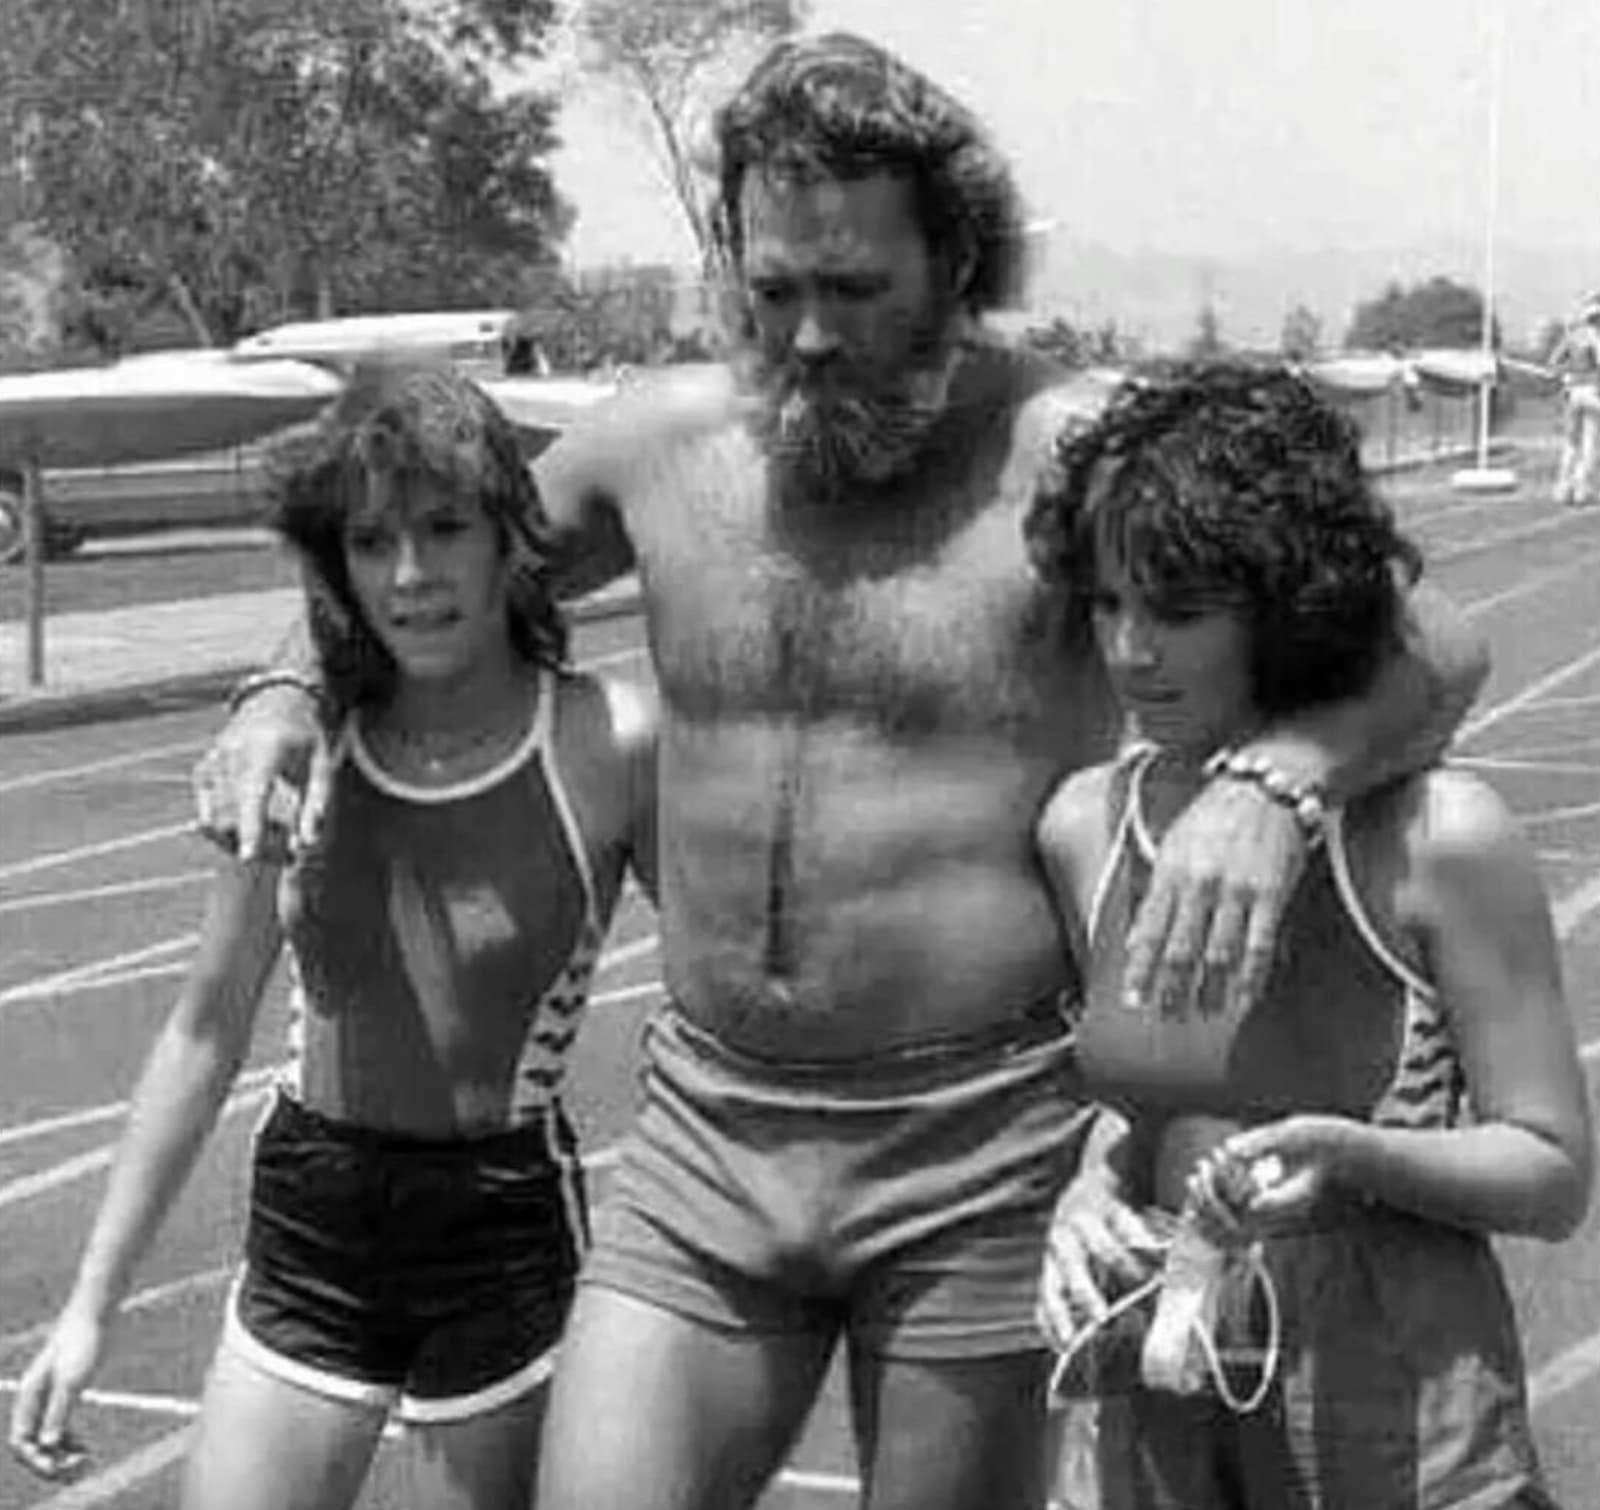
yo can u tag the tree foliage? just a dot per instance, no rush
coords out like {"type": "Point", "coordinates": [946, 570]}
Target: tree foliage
{"type": "Point", "coordinates": [617, 316]}
{"type": "Point", "coordinates": [1076, 346]}
{"type": "Point", "coordinates": [666, 58]}
{"type": "Point", "coordinates": [1438, 312]}
{"type": "Point", "coordinates": [237, 162]}
{"type": "Point", "coordinates": [1301, 337]}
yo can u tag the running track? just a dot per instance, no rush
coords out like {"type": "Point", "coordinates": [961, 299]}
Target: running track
{"type": "Point", "coordinates": [100, 882]}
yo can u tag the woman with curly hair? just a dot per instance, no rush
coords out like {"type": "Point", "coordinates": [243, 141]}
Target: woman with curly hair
{"type": "Point", "coordinates": [416, 1211]}
{"type": "Point", "coordinates": [1236, 567]}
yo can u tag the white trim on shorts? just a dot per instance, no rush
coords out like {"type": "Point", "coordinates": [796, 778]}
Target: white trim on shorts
{"type": "Point", "coordinates": [389, 1399]}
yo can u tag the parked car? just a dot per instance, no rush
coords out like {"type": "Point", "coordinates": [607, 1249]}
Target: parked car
{"type": "Point", "coordinates": [228, 488]}
{"type": "Point", "coordinates": [214, 489]}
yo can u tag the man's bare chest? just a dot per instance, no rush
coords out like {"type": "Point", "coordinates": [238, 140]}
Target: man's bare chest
{"type": "Point", "coordinates": [904, 624]}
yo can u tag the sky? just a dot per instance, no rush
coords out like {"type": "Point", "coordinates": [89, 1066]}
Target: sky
{"type": "Point", "coordinates": [1221, 128]}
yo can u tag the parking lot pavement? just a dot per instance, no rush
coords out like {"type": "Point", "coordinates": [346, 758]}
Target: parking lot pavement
{"type": "Point", "coordinates": [112, 662]}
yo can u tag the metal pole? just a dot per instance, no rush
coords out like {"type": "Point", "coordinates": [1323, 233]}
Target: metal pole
{"type": "Point", "coordinates": [1486, 390]}
{"type": "Point", "coordinates": [33, 537]}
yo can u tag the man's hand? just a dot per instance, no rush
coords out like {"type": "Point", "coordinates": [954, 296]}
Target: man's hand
{"type": "Point", "coordinates": [1099, 1248]}
{"type": "Point", "coordinates": [1208, 925]}
{"type": "Point", "coordinates": [246, 784]}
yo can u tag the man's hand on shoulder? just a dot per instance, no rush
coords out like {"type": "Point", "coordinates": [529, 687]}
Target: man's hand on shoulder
{"type": "Point", "coordinates": [266, 776]}
{"type": "Point", "coordinates": [1207, 928]}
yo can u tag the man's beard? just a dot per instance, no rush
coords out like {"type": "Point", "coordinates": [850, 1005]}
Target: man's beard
{"type": "Point", "coordinates": [833, 436]}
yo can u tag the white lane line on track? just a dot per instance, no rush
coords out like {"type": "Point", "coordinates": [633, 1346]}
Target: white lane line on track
{"type": "Point", "coordinates": [62, 857]}
{"type": "Point", "coordinates": [1484, 543]}
{"type": "Point", "coordinates": [1561, 814]}
{"type": "Point", "coordinates": [120, 1399]}
{"type": "Point", "coordinates": [113, 1481]}
{"type": "Point", "coordinates": [1528, 586]}
{"type": "Point", "coordinates": [14, 1192]}
{"type": "Point", "coordinates": [123, 978]}
{"type": "Point", "coordinates": [157, 1456]}
{"type": "Point", "coordinates": [62, 981]}
{"type": "Point", "coordinates": [64, 775]}
{"type": "Point", "coordinates": [612, 959]}
{"type": "Point", "coordinates": [110, 1111]}
{"type": "Point", "coordinates": [44, 1181]}
{"type": "Point", "coordinates": [61, 777]}
{"type": "Point", "coordinates": [1573, 909]}
{"type": "Point", "coordinates": [140, 1300]}
{"type": "Point", "coordinates": [173, 971]}
{"type": "Point", "coordinates": [1566, 1371]}
{"type": "Point", "coordinates": [1561, 704]}
{"type": "Point", "coordinates": [1532, 693]}
{"type": "Point", "coordinates": [110, 892]}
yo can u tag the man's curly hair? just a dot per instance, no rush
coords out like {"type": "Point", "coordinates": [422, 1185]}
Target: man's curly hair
{"type": "Point", "coordinates": [409, 421]}
{"type": "Point", "coordinates": [837, 106]}
{"type": "Point", "coordinates": [1225, 483]}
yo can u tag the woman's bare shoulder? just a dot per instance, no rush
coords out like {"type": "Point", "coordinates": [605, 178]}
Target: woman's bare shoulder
{"type": "Point", "coordinates": [1077, 816]}
{"type": "Point", "coordinates": [1460, 848]}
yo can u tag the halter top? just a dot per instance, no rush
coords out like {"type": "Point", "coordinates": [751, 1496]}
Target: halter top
{"type": "Point", "coordinates": [1344, 1026]}
{"type": "Point", "coordinates": [442, 935]}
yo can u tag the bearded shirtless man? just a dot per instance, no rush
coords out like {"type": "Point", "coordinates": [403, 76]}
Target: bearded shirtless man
{"type": "Point", "coordinates": [859, 1103]}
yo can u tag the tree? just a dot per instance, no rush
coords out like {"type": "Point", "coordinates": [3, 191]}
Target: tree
{"type": "Point", "coordinates": [617, 315]}
{"type": "Point", "coordinates": [1439, 312]}
{"type": "Point", "coordinates": [1206, 344]}
{"type": "Point", "coordinates": [664, 57]}
{"type": "Point", "coordinates": [243, 161]}
{"type": "Point", "coordinates": [1302, 334]}
{"type": "Point", "coordinates": [1061, 341]}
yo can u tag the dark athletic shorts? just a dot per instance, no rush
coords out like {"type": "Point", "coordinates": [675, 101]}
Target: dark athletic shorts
{"type": "Point", "coordinates": [429, 1277]}
{"type": "Point", "coordinates": [902, 1202]}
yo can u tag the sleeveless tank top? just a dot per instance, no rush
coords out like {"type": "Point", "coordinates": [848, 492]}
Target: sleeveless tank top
{"type": "Point", "coordinates": [421, 948]}
{"type": "Point", "coordinates": [1345, 1026]}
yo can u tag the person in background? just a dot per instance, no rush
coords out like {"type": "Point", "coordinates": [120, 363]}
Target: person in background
{"type": "Point", "coordinates": [1238, 568]}
{"type": "Point", "coordinates": [1577, 358]}
{"type": "Point", "coordinates": [416, 1210]}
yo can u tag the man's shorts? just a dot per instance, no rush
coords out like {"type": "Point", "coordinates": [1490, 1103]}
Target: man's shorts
{"type": "Point", "coordinates": [427, 1277]}
{"type": "Point", "coordinates": [902, 1202]}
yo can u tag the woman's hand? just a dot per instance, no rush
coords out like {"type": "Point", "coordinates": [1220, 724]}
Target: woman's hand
{"type": "Point", "coordinates": [41, 1414]}
{"type": "Point", "coordinates": [1272, 1175]}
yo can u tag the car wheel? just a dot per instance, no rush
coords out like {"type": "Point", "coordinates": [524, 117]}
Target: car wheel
{"type": "Point", "coordinates": [61, 540]}
{"type": "Point", "coordinates": [13, 531]}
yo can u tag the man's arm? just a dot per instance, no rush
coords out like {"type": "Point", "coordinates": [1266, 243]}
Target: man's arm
{"type": "Point", "coordinates": [1228, 866]}
{"type": "Point", "coordinates": [580, 487]}
{"type": "Point", "coordinates": [1406, 718]}
{"type": "Point", "coordinates": [273, 740]}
